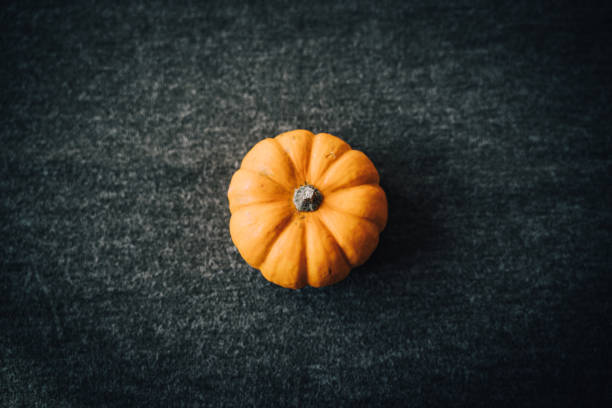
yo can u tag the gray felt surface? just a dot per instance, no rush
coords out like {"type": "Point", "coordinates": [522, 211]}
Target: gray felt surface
{"type": "Point", "coordinates": [123, 122]}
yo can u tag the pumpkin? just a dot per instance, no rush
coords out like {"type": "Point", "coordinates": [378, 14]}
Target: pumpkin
{"type": "Point", "coordinates": [306, 208]}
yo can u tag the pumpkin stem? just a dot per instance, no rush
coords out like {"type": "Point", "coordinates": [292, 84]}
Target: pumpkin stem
{"type": "Point", "coordinates": [307, 198]}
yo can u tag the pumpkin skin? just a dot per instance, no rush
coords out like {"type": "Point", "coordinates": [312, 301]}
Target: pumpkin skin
{"type": "Point", "coordinates": [294, 248]}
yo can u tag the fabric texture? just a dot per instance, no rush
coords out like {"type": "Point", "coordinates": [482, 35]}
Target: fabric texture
{"type": "Point", "coordinates": [123, 122]}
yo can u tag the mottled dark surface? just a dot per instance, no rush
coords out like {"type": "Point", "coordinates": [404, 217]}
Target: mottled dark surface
{"type": "Point", "coordinates": [122, 125]}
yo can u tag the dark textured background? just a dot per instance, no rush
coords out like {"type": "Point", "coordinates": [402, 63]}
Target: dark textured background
{"type": "Point", "coordinates": [122, 125]}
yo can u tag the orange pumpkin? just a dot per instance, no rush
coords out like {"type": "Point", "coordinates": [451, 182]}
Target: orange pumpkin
{"type": "Point", "coordinates": [306, 208]}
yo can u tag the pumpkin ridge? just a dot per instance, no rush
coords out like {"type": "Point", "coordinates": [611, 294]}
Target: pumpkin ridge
{"type": "Point", "coordinates": [333, 190]}
{"type": "Point", "coordinates": [328, 207]}
{"type": "Point", "coordinates": [304, 274]}
{"type": "Point", "coordinates": [288, 156]}
{"type": "Point", "coordinates": [371, 221]}
{"type": "Point", "coordinates": [324, 226]}
{"type": "Point", "coordinates": [263, 175]}
{"type": "Point", "coordinates": [240, 207]}
{"type": "Point", "coordinates": [306, 271]}
{"type": "Point", "coordinates": [322, 175]}
{"type": "Point", "coordinates": [307, 160]}
{"type": "Point", "coordinates": [300, 155]}
{"type": "Point", "coordinates": [367, 166]}
{"type": "Point", "coordinates": [286, 222]}
{"type": "Point", "coordinates": [268, 159]}
{"type": "Point", "coordinates": [321, 275]}
{"type": "Point", "coordinates": [252, 242]}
